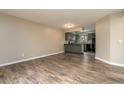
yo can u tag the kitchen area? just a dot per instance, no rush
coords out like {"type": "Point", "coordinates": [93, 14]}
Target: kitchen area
{"type": "Point", "coordinates": [80, 41]}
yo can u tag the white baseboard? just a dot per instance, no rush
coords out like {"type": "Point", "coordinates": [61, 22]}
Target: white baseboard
{"type": "Point", "coordinates": [109, 62]}
{"type": "Point", "coordinates": [103, 60]}
{"type": "Point", "coordinates": [28, 59]}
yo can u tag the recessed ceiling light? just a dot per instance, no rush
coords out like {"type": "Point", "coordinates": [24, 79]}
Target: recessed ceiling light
{"type": "Point", "coordinates": [69, 25]}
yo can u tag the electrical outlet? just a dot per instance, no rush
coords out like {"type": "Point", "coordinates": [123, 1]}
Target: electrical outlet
{"type": "Point", "coordinates": [120, 41]}
{"type": "Point", "coordinates": [23, 54]}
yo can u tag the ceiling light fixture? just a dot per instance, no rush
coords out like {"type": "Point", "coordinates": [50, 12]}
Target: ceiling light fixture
{"type": "Point", "coordinates": [69, 25]}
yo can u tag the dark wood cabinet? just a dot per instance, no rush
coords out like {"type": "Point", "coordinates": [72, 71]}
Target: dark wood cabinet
{"type": "Point", "coordinates": [73, 48]}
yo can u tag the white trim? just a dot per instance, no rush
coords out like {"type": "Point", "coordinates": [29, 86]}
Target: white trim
{"type": "Point", "coordinates": [28, 59]}
{"type": "Point", "coordinates": [103, 60]}
{"type": "Point", "coordinates": [109, 62]}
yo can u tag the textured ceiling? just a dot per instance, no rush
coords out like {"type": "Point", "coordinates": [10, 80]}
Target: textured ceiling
{"type": "Point", "coordinates": [57, 18]}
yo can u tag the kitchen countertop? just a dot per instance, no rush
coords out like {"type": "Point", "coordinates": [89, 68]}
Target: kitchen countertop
{"type": "Point", "coordinates": [73, 44]}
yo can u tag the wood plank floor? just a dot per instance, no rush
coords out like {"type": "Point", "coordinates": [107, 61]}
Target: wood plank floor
{"type": "Point", "coordinates": [62, 69]}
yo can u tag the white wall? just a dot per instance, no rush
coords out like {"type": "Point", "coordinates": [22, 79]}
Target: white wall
{"type": "Point", "coordinates": [103, 38]}
{"type": "Point", "coordinates": [110, 38]}
{"type": "Point", "coordinates": [18, 36]}
{"type": "Point", "coordinates": [116, 36]}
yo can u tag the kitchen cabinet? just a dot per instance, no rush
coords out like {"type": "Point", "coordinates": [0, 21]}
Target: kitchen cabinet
{"type": "Point", "coordinates": [73, 48]}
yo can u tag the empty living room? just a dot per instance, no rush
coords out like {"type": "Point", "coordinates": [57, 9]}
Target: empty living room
{"type": "Point", "coordinates": [61, 46]}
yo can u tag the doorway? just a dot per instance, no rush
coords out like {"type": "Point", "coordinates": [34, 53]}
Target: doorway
{"type": "Point", "coordinates": [89, 41]}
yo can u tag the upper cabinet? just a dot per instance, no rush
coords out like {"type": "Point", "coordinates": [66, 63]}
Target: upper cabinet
{"type": "Point", "coordinates": [73, 37]}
